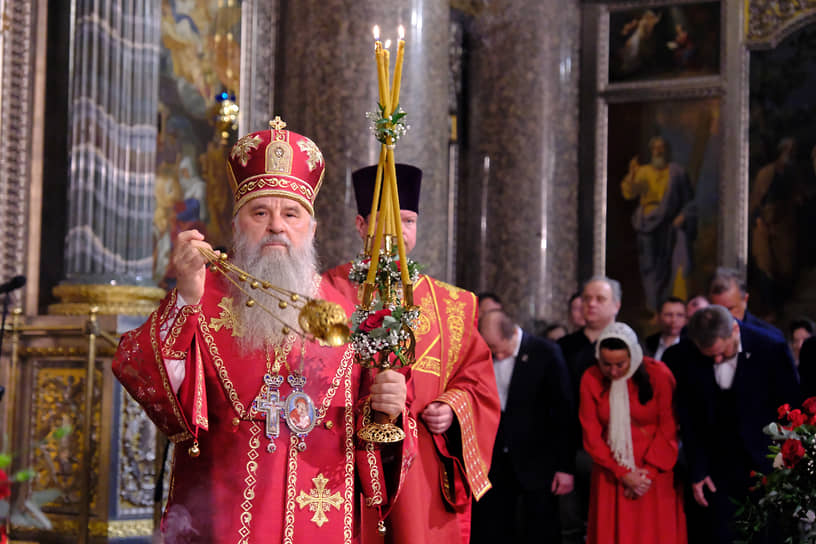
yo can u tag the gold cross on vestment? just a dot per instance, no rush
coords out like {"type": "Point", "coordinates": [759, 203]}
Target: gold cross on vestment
{"type": "Point", "coordinates": [319, 500]}
{"type": "Point", "coordinates": [226, 318]}
{"type": "Point", "coordinates": [277, 123]}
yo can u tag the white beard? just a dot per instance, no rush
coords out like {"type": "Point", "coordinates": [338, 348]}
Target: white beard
{"type": "Point", "coordinates": [294, 270]}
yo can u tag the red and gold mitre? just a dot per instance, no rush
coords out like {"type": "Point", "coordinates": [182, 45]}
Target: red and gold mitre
{"type": "Point", "coordinates": [275, 162]}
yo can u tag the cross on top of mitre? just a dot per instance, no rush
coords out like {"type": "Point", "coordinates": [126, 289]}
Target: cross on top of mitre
{"type": "Point", "coordinates": [277, 123]}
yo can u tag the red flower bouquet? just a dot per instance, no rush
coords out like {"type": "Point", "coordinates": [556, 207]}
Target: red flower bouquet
{"type": "Point", "coordinates": [788, 493]}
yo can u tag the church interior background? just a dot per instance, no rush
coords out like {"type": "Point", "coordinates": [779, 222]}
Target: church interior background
{"type": "Point", "coordinates": [116, 118]}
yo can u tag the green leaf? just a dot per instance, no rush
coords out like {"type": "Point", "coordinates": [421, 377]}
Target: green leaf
{"type": "Point", "coordinates": [5, 460]}
{"type": "Point", "coordinates": [379, 332]}
{"type": "Point", "coordinates": [61, 432]}
{"type": "Point", "coordinates": [390, 323]}
{"type": "Point", "coordinates": [24, 475]}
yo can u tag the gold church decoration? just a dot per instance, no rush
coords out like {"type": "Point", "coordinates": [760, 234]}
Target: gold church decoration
{"type": "Point", "coordinates": [318, 319]}
{"type": "Point", "coordinates": [383, 322]}
{"type": "Point", "coordinates": [78, 299]}
{"type": "Point", "coordinates": [769, 22]}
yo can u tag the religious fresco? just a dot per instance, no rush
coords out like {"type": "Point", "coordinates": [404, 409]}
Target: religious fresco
{"type": "Point", "coordinates": [668, 41]}
{"type": "Point", "coordinates": [200, 57]}
{"type": "Point", "coordinates": [662, 223]}
{"type": "Point", "coordinates": [782, 180]}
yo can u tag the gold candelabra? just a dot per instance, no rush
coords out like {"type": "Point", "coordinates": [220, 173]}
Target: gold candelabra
{"type": "Point", "coordinates": [384, 229]}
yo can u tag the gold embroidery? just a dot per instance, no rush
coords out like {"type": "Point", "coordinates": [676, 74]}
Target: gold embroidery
{"type": "Point", "coordinates": [428, 361]}
{"type": "Point", "coordinates": [243, 146]}
{"type": "Point", "coordinates": [475, 466]}
{"type": "Point", "coordinates": [430, 365]}
{"type": "Point", "coordinates": [348, 503]}
{"type": "Point", "coordinates": [291, 482]}
{"type": "Point", "coordinates": [168, 390]}
{"type": "Point", "coordinates": [250, 481]}
{"type": "Point", "coordinates": [263, 181]}
{"type": "Point", "coordinates": [223, 376]}
{"type": "Point", "coordinates": [200, 417]}
{"type": "Point", "coordinates": [343, 370]}
{"type": "Point", "coordinates": [411, 428]}
{"type": "Point", "coordinates": [314, 154]}
{"type": "Point", "coordinates": [373, 469]}
{"type": "Point", "coordinates": [452, 289]}
{"type": "Point", "coordinates": [174, 354]}
{"type": "Point", "coordinates": [425, 314]}
{"type": "Point", "coordinates": [319, 500]}
{"type": "Point", "coordinates": [456, 328]}
{"type": "Point", "coordinates": [226, 318]}
{"type": "Point", "coordinates": [169, 307]}
{"type": "Point", "coordinates": [175, 331]}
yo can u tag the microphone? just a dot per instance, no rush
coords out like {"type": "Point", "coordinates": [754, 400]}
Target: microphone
{"type": "Point", "coordinates": [14, 283]}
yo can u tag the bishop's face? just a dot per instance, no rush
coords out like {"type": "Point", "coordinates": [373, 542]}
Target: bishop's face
{"type": "Point", "coordinates": [275, 224]}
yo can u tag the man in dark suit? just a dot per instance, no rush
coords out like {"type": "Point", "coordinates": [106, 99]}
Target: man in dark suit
{"type": "Point", "coordinates": [534, 451]}
{"type": "Point", "coordinates": [672, 320]}
{"type": "Point", "coordinates": [727, 288]}
{"type": "Point", "coordinates": [731, 378]}
{"type": "Point", "coordinates": [600, 302]}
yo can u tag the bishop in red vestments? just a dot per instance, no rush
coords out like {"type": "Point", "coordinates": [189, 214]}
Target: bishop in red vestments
{"type": "Point", "coordinates": [451, 393]}
{"type": "Point", "coordinates": [263, 422]}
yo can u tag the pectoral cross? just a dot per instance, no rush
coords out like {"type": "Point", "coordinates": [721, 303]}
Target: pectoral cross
{"type": "Point", "coordinates": [319, 500]}
{"type": "Point", "coordinates": [269, 404]}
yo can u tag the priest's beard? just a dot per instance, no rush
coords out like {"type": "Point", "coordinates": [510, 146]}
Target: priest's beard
{"type": "Point", "coordinates": [293, 269]}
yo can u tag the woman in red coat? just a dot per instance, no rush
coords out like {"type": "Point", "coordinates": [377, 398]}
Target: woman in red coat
{"type": "Point", "coordinates": [631, 434]}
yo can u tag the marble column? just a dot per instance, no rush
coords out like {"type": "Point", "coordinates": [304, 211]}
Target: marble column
{"type": "Point", "coordinates": [112, 149]}
{"type": "Point", "coordinates": [326, 82]}
{"type": "Point", "coordinates": [518, 233]}
{"type": "Point", "coordinates": [114, 99]}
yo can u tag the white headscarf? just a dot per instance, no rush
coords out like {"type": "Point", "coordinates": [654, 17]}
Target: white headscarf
{"type": "Point", "coordinates": [619, 436]}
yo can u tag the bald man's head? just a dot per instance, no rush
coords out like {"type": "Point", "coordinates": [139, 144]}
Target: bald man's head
{"type": "Point", "coordinates": [500, 333]}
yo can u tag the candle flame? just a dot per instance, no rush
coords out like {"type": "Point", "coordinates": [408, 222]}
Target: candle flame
{"type": "Point", "coordinates": [376, 31]}
{"type": "Point", "coordinates": [401, 32]}
{"type": "Point", "coordinates": [387, 44]}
